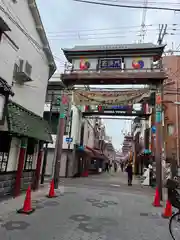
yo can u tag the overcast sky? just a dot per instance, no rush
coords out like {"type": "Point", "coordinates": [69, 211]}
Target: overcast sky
{"type": "Point", "coordinates": [70, 23]}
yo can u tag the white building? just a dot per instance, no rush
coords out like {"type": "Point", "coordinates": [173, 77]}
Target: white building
{"type": "Point", "coordinates": [72, 129]}
{"type": "Point", "coordinates": [26, 64]}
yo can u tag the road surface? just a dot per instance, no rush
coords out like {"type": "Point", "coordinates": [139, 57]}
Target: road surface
{"type": "Point", "coordinates": [85, 212]}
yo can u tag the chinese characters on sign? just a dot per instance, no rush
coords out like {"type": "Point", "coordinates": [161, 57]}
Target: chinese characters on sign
{"type": "Point", "coordinates": [108, 64]}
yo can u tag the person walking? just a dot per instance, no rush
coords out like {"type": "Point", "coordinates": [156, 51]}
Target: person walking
{"type": "Point", "coordinates": [106, 167]}
{"type": "Point", "coordinates": [122, 166]}
{"type": "Point", "coordinates": [115, 167]}
{"type": "Point", "coordinates": [129, 170]}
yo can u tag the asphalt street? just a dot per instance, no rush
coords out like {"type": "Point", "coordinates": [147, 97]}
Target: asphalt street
{"type": "Point", "coordinates": [84, 212]}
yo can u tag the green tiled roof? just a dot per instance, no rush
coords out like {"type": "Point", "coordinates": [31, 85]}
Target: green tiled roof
{"type": "Point", "coordinates": [25, 123]}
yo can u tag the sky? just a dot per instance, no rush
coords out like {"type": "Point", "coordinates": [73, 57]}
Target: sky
{"type": "Point", "coordinates": [69, 23]}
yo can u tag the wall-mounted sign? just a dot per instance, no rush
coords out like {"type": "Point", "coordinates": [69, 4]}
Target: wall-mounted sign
{"type": "Point", "coordinates": [120, 112]}
{"type": "Point", "coordinates": [69, 140]}
{"type": "Point", "coordinates": [158, 117]}
{"type": "Point", "coordinates": [122, 108]}
{"type": "Point", "coordinates": [153, 129]}
{"type": "Point", "coordinates": [115, 108]}
{"type": "Point", "coordinates": [110, 63]}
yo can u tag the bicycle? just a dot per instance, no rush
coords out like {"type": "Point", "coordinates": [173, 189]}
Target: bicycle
{"type": "Point", "coordinates": [174, 198]}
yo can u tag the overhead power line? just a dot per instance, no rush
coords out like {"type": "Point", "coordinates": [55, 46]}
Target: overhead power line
{"type": "Point", "coordinates": [142, 2]}
{"type": "Point", "coordinates": [129, 6]}
{"type": "Point", "coordinates": [104, 29]}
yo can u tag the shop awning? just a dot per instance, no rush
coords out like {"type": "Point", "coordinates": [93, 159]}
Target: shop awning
{"type": "Point", "coordinates": [97, 153]}
{"type": "Point", "coordinates": [22, 122]}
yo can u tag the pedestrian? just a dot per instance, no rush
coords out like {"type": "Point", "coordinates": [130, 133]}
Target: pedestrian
{"type": "Point", "coordinates": [110, 166]}
{"type": "Point", "coordinates": [115, 167]}
{"type": "Point", "coordinates": [129, 170]}
{"type": "Point", "coordinates": [122, 166]}
{"type": "Point", "coordinates": [106, 167]}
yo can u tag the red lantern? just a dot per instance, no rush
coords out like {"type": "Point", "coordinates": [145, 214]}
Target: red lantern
{"type": "Point", "coordinates": [100, 108]}
{"type": "Point", "coordinates": [86, 108]}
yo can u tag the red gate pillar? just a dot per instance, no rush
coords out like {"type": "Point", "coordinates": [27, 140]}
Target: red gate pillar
{"type": "Point", "coordinates": [158, 140]}
{"type": "Point", "coordinates": [22, 154]}
{"type": "Point", "coordinates": [38, 166]}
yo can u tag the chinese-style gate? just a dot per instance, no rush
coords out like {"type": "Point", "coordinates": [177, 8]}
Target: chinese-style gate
{"type": "Point", "coordinates": [118, 65]}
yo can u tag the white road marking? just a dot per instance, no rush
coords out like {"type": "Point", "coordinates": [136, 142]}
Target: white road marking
{"type": "Point", "coordinates": [115, 185]}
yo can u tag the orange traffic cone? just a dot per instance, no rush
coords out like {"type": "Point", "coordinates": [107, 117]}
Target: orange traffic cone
{"type": "Point", "coordinates": [168, 210]}
{"type": "Point", "coordinates": [156, 202]}
{"type": "Point", "coordinates": [51, 190]}
{"type": "Point", "coordinates": [27, 207]}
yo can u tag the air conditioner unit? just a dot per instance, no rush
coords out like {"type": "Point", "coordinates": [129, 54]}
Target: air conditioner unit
{"type": "Point", "coordinates": [22, 71]}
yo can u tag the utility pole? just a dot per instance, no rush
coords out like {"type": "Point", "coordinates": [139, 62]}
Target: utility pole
{"type": "Point", "coordinates": [46, 146]}
{"type": "Point", "coordinates": [159, 141]}
{"type": "Point", "coordinates": [177, 123]}
{"type": "Point", "coordinates": [162, 33]}
{"type": "Point", "coordinates": [61, 101]}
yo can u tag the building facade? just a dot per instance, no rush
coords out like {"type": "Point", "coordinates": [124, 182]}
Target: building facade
{"type": "Point", "coordinates": [85, 152]}
{"type": "Point", "coordinates": [26, 65]}
{"type": "Point", "coordinates": [72, 128]}
{"type": "Point", "coordinates": [171, 110]}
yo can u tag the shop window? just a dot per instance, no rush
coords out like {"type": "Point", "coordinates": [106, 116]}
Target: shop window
{"type": "Point", "coordinates": [31, 147]}
{"type": "Point", "coordinates": [170, 129]}
{"type": "Point", "coordinates": [5, 143]}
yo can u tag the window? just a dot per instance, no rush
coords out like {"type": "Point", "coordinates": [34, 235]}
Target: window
{"type": "Point", "coordinates": [170, 129]}
{"type": "Point", "coordinates": [5, 143]}
{"type": "Point", "coordinates": [28, 165]}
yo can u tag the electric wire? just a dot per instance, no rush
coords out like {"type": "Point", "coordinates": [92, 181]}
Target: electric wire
{"type": "Point", "coordinates": [128, 6]}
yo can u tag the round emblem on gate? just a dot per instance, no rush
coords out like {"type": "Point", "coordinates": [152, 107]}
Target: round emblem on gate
{"type": "Point", "coordinates": [84, 64]}
{"type": "Point", "coordinates": [137, 63]}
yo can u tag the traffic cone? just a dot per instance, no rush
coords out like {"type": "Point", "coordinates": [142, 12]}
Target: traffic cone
{"type": "Point", "coordinates": [51, 190]}
{"type": "Point", "coordinates": [156, 202]}
{"type": "Point", "coordinates": [27, 207]}
{"type": "Point", "coordinates": [168, 210]}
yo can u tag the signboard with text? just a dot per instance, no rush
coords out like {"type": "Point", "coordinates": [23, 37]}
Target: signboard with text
{"type": "Point", "coordinates": [110, 63]}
